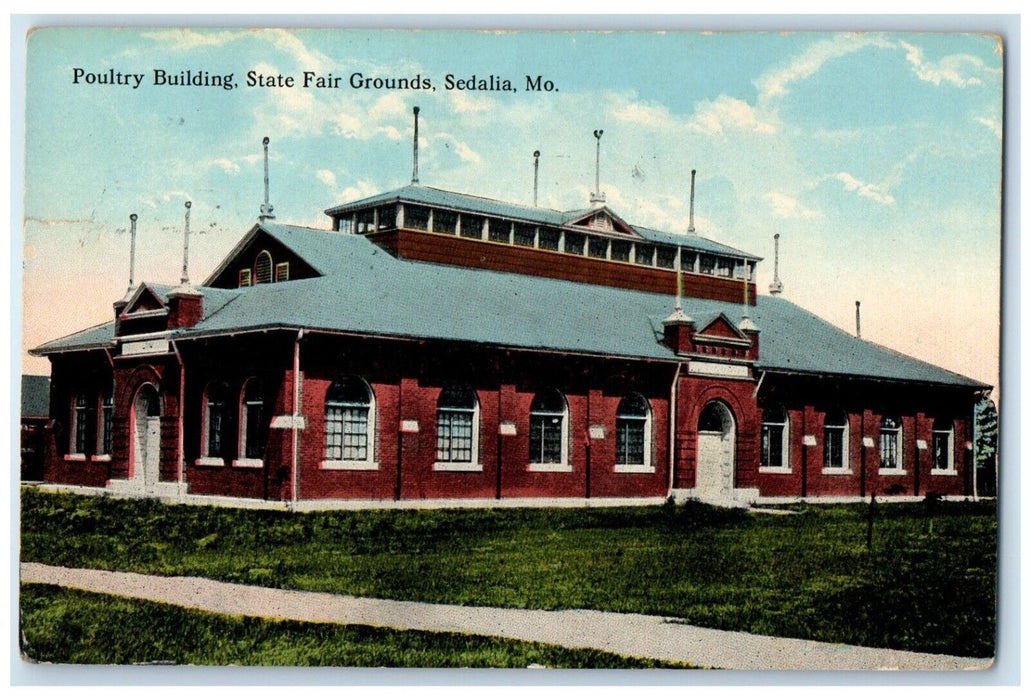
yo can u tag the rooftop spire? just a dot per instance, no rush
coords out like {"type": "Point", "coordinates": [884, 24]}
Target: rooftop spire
{"type": "Point", "coordinates": [415, 148]}
{"type": "Point", "coordinates": [597, 197]}
{"type": "Point", "coordinates": [266, 208]}
{"type": "Point", "coordinates": [536, 163]}
{"type": "Point", "coordinates": [776, 287]}
{"type": "Point", "coordinates": [690, 223]}
{"type": "Point", "coordinates": [186, 247]}
{"type": "Point", "coordinates": [132, 251]}
{"type": "Point", "coordinates": [858, 334]}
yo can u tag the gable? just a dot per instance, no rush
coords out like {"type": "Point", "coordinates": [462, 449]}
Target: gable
{"type": "Point", "coordinates": [262, 259]}
{"type": "Point", "coordinates": [602, 220]}
{"type": "Point", "coordinates": [144, 300]}
{"type": "Point", "coordinates": [720, 327]}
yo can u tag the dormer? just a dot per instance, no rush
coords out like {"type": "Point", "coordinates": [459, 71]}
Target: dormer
{"type": "Point", "coordinates": [145, 311]}
{"type": "Point", "coordinates": [262, 257]}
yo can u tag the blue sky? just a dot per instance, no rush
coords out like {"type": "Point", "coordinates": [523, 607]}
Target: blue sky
{"type": "Point", "coordinates": [877, 157]}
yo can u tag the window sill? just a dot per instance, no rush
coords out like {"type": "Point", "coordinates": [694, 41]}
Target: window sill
{"type": "Point", "coordinates": [634, 469]}
{"type": "Point", "coordinates": [535, 467]}
{"type": "Point", "coordinates": [248, 462]}
{"type": "Point", "coordinates": [100, 458]}
{"type": "Point", "coordinates": [838, 471]}
{"type": "Point", "coordinates": [774, 470]}
{"type": "Point", "coordinates": [457, 467]}
{"type": "Point", "coordinates": [209, 462]}
{"type": "Point", "coordinates": [944, 472]}
{"type": "Point", "coordinates": [891, 472]}
{"type": "Point", "coordinates": [349, 465]}
{"type": "Point", "coordinates": [75, 457]}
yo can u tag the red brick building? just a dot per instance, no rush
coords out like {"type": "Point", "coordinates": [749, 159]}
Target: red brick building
{"type": "Point", "coordinates": [436, 345]}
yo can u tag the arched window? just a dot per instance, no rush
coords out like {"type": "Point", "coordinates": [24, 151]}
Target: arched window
{"type": "Point", "coordinates": [774, 440]}
{"type": "Point", "coordinates": [891, 443]}
{"type": "Point", "coordinates": [835, 441]}
{"type": "Point", "coordinates": [263, 268]}
{"type": "Point", "coordinates": [942, 437]}
{"type": "Point", "coordinates": [549, 429]}
{"type": "Point", "coordinates": [712, 418]}
{"type": "Point", "coordinates": [253, 421]}
{"type": "Point", "coordinates": [214, 443]}
{"type": "Point", "coordinates": [457, 427]}
{"type": "Point", "coordinates": [633, 432]}
{"type": "Point", "coordinates": [350, 421]}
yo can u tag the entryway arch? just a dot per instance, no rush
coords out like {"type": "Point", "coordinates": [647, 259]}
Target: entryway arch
{"type": "Point", "coordinates": [146, 437]}
{"type": "Point", "coordinates": [714, 471]}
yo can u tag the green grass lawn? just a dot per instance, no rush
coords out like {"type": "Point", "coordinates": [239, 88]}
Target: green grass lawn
{"type": "Point", "coordinates": [70, 627]}
{"type": "Point", "coordinates": [927, 584]}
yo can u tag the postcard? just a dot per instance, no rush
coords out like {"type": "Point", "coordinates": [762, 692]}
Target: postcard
{"type": "Point", "coordinates": [565, 349]}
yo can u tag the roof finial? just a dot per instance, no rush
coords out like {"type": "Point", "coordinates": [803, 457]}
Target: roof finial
{"type": "Point", "coordinates": [132, 251]}
{"type": "Point", "coordinates": [415, 148]}
{"type": "Point", "coordinates": [266, 208]}
{"type": "Point", "coordinates": [186, 247]}
{"type": "Point", "coordinates": [858, 334]}
{"type": "Point", "coordinates": [690, 223]}
{"type": "Point", "coordinates": [597, 197]}
{"type": "Point", "coordinates": [776, 287]}
{"type": "Point", "coordinates": [536, 163]}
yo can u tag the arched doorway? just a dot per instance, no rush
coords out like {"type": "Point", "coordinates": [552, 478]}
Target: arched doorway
{"type": "Point", "coordinates": [714, 474]}
{"type": "Point", "coordinates": [146, 437]}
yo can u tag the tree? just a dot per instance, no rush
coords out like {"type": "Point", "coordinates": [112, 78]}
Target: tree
{"type": "Point", "coordinates": [986, 441]}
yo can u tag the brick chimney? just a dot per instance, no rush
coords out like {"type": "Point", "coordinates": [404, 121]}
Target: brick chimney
{"type": "Point", "coordinates": [185, 307]}
{"type": "Point", "coordinates": [678, 332]}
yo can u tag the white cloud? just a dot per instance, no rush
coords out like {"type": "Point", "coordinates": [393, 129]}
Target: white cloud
{"type": "Point", "coordinates": [292, 44]}
{"type": "Point", "coordinates": [390, 105]}
{"type": "Point", "coordinates": [787, 207]}
{"type": "Point", "coordinates": [359, 190]}
{"type": "Point", "coordinates": [468, 104]}
{"type": "Point", "coordinates": [728, 113]}
{"type": "Point", "coordinates": [775, 83]}
{"type": "Point", "coordinates": [878, 193]}
{"type": "Point", "coordinates": [955, 69]}
{"type": "Point", "coordinates": [640, 114]}
{"type": "Point", "coordinates": [995, 126]}
{"type": "Point", "coordinates": [326, 177]}
{"type": "Point", "coordinates": [226, 165]}
{"type": "Point", "coordinates": [189, 39]}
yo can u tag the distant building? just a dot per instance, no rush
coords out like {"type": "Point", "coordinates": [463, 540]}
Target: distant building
{"type": "Point", "coordinates": [35, 414]}
{"type": "Point", "coordinates": [435, 345]}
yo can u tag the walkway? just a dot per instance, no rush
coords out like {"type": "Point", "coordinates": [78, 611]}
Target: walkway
{"type": "Point", "coordinates": [627, 634]}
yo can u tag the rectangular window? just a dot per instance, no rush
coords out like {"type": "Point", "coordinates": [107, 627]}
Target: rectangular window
{"type": "Point", "coordinates": [547, 239]}
{"type": "Point", "coordinates": [890, 449]}
{"type": "Point", "coordinates": [244, 279]}
{"type": "Point", "coordinates": [345, 225]}
{"type": "Point", "coordinates": [282, 271]}
{"type": "Point", "coordinates": [621, 251]}
{"type": "Point", "coordinates": [444, 221]}
{"type": "Point", "coordinates": [666, 257]}
{"type": "Point", "coordinates": [472, 226]}
{"type": "Point", "coordinates": [597, 247]}
{"type": "Point", "coordinates": [499, 231]}
{"type": "Point", "coordinates": [365, 220]}
{"type": "Point", "coordinates": [255, 444]}
{"type": "Point", "coordinates": [387, 217]}
{"type": "Point", "coordinates": [630, 440]}
{"type": "Point", "coordinates": [216, 446]}
{"type": "Point", "coordinates": [687, 261]}
{"type": "Point", "coordinates": [417, 217]}
{"type": "Point", "coordinates": [644, 254]}
{"type": "Point", "coordinates": [834, 447]}
{"type": "Point", "coordinates": [454, 435]}
{"type": "Point", "coordinates": [80, 425]}
{"type": "Point", "coordinates": [575, 243]}
{"type": "Point", "coordinates": [524, 235]}
{"type": "Point", "coordinates": [546, 439]}
{"type": "Point", "coordinates": [347, 433]}
{"type": "Point", "coordinates": [772, 445]}
{"type": "Point", "coordinates": [107, 410]}
{"type": "Point", "coordinates": [708, 264]}
{"type": "Point", "coordinates": [724, 267]}
{"type": "Point", "coordinates": [942, 443]}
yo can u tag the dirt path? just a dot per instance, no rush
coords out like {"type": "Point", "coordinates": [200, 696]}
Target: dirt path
{"type": "Point", "coordinates": [627, 634]}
